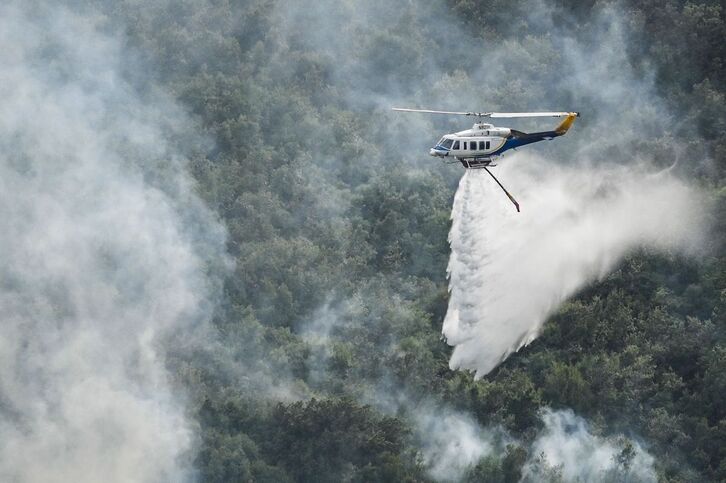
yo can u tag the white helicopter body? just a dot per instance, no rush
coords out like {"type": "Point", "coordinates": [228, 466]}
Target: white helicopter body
{"type": "Point", "coordinates": [476, 148]}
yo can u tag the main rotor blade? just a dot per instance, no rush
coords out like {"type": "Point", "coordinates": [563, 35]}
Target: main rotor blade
{"type": "Point", "coordinates": [456, 113]}
{"type": "Point", "coordinates": [492, 114]}
{"type": "Point", "coordinates": [532, 114]}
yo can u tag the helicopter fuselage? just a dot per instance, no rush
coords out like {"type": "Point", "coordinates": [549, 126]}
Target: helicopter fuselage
{"type": "Point", "coordinates": [479, 146]}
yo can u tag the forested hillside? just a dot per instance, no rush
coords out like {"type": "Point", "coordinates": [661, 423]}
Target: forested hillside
{"type": "Point", "coordinates": [326, 361]}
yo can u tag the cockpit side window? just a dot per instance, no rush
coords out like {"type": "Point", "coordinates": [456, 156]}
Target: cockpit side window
{"type": "Point", "coordinates": [456, 145]}
{"type": "Point", "coordinates": [447, 143]}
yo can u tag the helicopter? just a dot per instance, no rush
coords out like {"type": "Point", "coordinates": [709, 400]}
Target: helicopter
{"type": "Point", "coordinates": [478, 147]}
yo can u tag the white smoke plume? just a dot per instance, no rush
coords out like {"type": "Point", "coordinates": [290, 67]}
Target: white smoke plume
{"type": "Point", "coordinates": [567, 449]}
{"type": "Point", "coordinates": [453, 442]}
{"type": "Point", "coordinates": [509, 271]}
{"type": "Point", "coordinates": [97, 258]}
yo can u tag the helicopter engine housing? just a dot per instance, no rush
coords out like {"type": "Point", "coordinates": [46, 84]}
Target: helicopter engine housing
{"type": "Point", "coordinates": [500, 131]}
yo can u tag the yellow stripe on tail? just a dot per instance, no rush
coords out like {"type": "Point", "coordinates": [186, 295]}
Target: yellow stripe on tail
{"type": "Point", "coordinates": [567, 123]}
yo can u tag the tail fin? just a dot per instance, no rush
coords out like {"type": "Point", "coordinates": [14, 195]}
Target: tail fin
{"type": "Point", "coordinates": [567, 123]}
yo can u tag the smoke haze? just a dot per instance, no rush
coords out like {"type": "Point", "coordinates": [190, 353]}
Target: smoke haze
{"type": "Point", "coordinates": [100, 255]}
{"type": "Point", "coordinates": [452, 442]}
{"type": "Point", "coordinates": [566, 448]}
{"type": "Point", "coordinates": [588, 199]}
{"type": "Point", "coordinates": [105, 251]}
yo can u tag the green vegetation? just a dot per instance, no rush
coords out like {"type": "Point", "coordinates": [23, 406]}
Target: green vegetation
{"type": "Point", "coordinates": [327, 220]}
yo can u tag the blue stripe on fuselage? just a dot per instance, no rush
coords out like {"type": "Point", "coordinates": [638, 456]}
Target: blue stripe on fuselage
{"type": "Point", "coordinates": [510, 144]}
{"type": "Point", "coordinates": [515, 142]}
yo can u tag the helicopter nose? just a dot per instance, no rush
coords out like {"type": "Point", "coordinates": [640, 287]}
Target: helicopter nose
{"type": "Point", "coordinates": [435, 152]}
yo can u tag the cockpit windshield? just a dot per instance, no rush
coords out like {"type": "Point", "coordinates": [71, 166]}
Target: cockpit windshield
{"type": "Point", "coordinates": [446, 143]}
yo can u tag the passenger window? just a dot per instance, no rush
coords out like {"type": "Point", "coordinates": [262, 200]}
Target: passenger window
{"type": "Point", "coordinates": [482, 146]}
{"type": "Point", "coordinates": [464, 148]}
{"type": "Point", "coordinates": [456, 145]}
{"type": "Point", "coordinates": [487, 144]}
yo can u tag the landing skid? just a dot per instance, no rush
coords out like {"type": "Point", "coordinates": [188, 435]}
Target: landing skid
{"type": "Point", "coordinates": [476, 163]}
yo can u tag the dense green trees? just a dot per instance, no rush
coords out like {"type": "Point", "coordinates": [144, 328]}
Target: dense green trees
{"type": "Point", "coordinates": [328, 222]}
{"type": "Point", "coordinates": [318, 440]}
